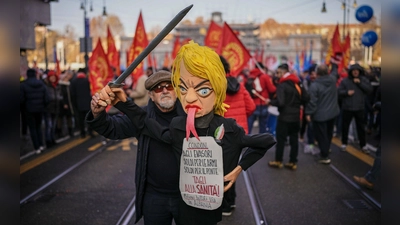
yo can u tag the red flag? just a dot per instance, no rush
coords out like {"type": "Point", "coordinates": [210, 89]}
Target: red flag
{"type": "Point", "coordinates": [155, 62]}
{"type": "Point", "coordinates": [167, 61]}
{"type": "Point", "coordinates": [213, 36]}
{"type": "Point", "coordinates": [128, 52]}
{"type": "Point", "coordinates": [57, 66]}
{"type": "Point", "coordinates": [232, 49]}
{"type": "Point", "coordinates": [184, 42]}
{"type": "Point", "coordinates": [58, 70]}
{"type": "Point", "coordinates": [100, 70]}
{"type": "Point", "coordinates": [139, 43]}
{"type": "Point", "coordinates": [335, 46]}
{"type": "Point", "coordinates": [177, 46]}
{"type": "Point", "coordinates": [346, 53]}
{"type": "Point", "coordinates": [256, 55]}
{"type": "Point", "coordinates": [112, 53]}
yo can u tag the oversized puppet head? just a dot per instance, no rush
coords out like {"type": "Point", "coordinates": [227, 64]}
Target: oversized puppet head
{"type": "Point", "coordinates": [199, 80]}
{"type": "Point", "coordinates": [198, 77]}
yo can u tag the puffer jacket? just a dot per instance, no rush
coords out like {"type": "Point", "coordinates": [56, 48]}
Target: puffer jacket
{"type": "Point", "coordinates": [356, 102]}
{"type": "Point", "coordinates": [240, 102]}
{"type": "Point", "coordinates": [323, 104]}
{"type": "Point", "coordinates": [263, 85]}
{"type": "Point", "coordinates": [33, 95]}
{"type": "Point", "coordinates": [288, 99]}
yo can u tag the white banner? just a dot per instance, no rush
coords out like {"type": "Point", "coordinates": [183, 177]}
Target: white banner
{"type": "Point", "coordinates": [201, 173]}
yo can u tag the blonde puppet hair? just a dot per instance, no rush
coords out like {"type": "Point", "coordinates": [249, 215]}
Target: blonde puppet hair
{"type": "Point", "coordinates": [203, 62]}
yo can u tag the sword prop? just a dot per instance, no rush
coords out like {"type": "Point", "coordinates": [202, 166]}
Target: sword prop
{"type": "Point", "coordinates": [171, 25]}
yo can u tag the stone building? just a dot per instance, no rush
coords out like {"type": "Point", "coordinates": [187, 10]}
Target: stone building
{"type": "Point", "coordinates": [32, 13]}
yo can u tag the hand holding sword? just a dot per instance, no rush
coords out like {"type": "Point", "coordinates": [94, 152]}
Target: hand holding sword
{"type": "Point", "coordinates": [106, 96]}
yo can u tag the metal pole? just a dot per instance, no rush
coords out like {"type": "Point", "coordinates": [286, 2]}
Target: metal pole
{"type": "Point", "coordinates": [344, 19]}
{"type": "Point", "coordinates": [46, 61]}
{"type": "Point", "coordinates": [365, 55]}
{"type": "Point", "coordinates": [370, 55]}
{"type": "Point", "coordinates": [85, 41]}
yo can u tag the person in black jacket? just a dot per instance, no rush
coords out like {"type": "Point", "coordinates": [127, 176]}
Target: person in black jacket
{"type": "Point", "coordinates": [67, 110]}
{"type": "Point", "coordinates": [81, 97]}
{"type": "Point", "coordinates": [154, 183]}
{"type": "Point", "coordinates": [353, 91]}
{"type": "Point", "coordinates": [288, 101]}
{"type": "Point", "coordinates": [207, 145]}
{"type": "Point", "coordinates": [323, 108]}
{"type": "Point", "coordinates": [34, 98]}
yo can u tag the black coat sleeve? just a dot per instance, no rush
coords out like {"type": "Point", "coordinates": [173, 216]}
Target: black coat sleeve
{"type": "Point", "coordinates": [112, 127]}
{"type": "Point", "coordinates": [258, 145]}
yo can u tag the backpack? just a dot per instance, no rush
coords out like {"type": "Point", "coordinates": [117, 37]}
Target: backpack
{"type": "Point", "coordinates": [304, 96]}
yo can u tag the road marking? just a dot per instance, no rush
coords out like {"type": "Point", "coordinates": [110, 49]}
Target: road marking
{"type": "Point", "coordinates": [94, 147]}
{"type": "Point", "coordinates": [353, 151]}
{"type": "Point", "coordinates": [113, 147]}
{"type": "Point", "coordinates": [125, 145]}
{"type": "Point", "coordinates": [45, 157]}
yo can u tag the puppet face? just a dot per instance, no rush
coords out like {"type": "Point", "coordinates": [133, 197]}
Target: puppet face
{"type": "Point", "coordinates": [195, 93]}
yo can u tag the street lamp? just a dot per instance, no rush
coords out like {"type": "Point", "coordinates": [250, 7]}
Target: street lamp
{"type": "Point", "coordinates": [86, 30]}
{"type": "Point", "coordinates": [104, 8]}
{"type": "Point", "coordinates": [323, 10]}
{"type": "Point", "coordinates": [345, 6]}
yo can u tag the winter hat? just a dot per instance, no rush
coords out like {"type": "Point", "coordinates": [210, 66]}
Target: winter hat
{"type": "Point", "coordinates": [52, 73]}
{"type": "Point", "coordinates": [156, 78]}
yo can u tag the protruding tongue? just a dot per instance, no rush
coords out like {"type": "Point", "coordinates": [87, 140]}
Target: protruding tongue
{"type": "Point", "coordinates": [190, 123]}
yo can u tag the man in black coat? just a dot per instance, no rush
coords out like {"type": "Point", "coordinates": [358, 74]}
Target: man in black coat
{"type": "Point", "coordinates": [34, 98]}
{"type": "Point", "coordinates": [288, 100]}
{"type": "Point", "coordinates": [323, 108]}
{"type": "Point", "coordinates": [157, 170]}
{"type": "Point", "coordinates": [353, 91]}
{"type": "Point", "coordinates": [81, 97]}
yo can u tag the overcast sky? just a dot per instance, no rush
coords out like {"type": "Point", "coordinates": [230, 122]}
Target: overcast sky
{"type": "Point", "coordinates": [160, 12]}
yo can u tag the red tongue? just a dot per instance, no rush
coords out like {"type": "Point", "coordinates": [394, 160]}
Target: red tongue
{"type": "Point", "coordinates": [190, 123]}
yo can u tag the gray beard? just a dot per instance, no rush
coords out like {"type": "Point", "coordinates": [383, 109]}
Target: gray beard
{"type": "Point", "coordinates": [166, 103]}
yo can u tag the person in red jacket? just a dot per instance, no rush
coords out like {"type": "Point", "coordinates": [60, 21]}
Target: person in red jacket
{"type": "Point", "coordinates": [262, 88]}
{"type": "Point", "coordinates": [241, 107]}
{"type": "Point", "coordinates": [238, 98]}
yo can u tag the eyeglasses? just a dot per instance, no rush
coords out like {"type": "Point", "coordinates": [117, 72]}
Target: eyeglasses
{"type": "Point", "coordinates": [160, 88]}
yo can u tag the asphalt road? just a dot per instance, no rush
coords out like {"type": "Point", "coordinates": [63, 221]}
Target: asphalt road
{"type": "Point", "coordinates": [99, 190]}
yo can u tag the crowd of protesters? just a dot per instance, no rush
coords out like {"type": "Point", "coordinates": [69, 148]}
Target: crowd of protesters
{"type": "Point", "coordinates": [343, 104]}
{"type": "Point", "coordinates": [53, 106]}
{"type": "Point", "coordinates": [61, 101]}
{"type": "Point", "coordinates": [311, 107]}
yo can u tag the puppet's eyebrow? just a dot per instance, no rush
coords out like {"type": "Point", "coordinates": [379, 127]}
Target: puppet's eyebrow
{"type": "Point", "coordinates": [201, 83]}
{"type": "Point", "coordinates": [183, 82]}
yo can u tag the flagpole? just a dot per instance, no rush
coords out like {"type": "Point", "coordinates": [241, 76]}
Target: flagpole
{"type": "Point", "coordinates": [258, 65]}
{"type": "Point", "coordinates": [171, 25]}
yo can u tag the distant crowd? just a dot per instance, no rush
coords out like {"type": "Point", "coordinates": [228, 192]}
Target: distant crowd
{"type": "Point", "coordinates": [60, 103]}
